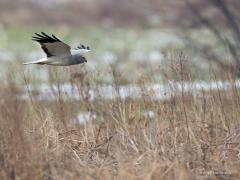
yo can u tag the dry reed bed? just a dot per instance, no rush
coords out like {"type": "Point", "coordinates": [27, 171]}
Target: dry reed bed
{"type": "Point", "coordinates": [188, 137]}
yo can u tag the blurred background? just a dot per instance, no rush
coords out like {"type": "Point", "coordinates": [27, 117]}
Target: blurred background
{"type": "Point", "coordinates": [158, 98]}
{"type": "Point", "coordinates": [139, 40]}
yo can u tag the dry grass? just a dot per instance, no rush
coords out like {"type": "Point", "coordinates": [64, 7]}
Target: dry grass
{"type": "Point", "coordinates": [190, 137]}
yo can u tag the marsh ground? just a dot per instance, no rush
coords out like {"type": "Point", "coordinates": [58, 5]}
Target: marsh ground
{"type": "Point", "coordinates": [188, 136]}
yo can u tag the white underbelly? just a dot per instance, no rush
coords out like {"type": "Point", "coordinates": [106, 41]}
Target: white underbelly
{"type": "Point", "coordinates": [58, 60]}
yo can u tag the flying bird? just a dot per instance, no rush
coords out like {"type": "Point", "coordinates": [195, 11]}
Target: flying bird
{"type": "Point", "coordinates": [57, 52]}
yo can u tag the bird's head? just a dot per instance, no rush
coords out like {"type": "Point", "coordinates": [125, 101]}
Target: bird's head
{"type": "Point", "coordinates": [81, 59]}
{"type": "Point", "coordinates": [84, 59]}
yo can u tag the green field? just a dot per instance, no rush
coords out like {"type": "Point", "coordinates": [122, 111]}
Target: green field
{"type": "Point", "coordinates": [134, 53]}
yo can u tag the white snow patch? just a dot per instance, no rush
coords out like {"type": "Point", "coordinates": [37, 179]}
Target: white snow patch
{"type": "Point", "coordinates": [84, 117]}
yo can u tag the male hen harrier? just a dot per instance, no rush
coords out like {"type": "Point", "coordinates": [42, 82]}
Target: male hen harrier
{"type": "Point", "coordinates": [58, 53]}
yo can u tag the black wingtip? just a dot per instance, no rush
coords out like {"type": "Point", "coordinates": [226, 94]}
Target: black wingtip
{"type": "Point", "coordinates": [83, 47]}
{"type": "Point", "coordinates": [44, 38]}
{"type": "Point", "coordinates": [55, 38]}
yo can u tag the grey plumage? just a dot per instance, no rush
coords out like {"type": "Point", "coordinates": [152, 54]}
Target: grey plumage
{"type": "Point", "coordinates": [58, 53]}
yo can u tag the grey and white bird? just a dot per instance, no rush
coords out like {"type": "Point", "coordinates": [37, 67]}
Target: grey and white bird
{"type": "Point", "coordinates": [58, 53]}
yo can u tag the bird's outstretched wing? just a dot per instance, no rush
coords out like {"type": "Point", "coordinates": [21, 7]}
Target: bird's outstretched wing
{"type": "Point", "coordinates": [80, 49]}
{"type": "Point", "coordinates": [83, 47]}
{"type": "Point", "coordinates": [51, 45]}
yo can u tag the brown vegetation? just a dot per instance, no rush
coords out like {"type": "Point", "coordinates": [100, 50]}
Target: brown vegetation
{"type": "Point", "coordinates": [188, 137]}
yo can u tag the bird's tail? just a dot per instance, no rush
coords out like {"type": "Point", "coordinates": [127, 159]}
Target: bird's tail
{"type": "Point", "coordinates": [27, 63]}
{"type": "Point", "coordinates": [41, 61]}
